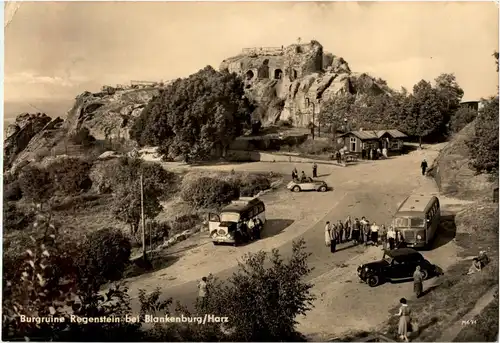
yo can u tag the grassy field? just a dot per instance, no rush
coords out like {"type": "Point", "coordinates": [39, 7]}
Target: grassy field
{"type": "Point", "coordinates": [485, 327]}
{"type": "Point", "coordinates": [457, 293]}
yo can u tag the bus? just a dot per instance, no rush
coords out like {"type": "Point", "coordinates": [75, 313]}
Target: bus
{"type": "Point", "coordinates": [222, 226]}
{"type": "Point", "coordinates": [417, 218]}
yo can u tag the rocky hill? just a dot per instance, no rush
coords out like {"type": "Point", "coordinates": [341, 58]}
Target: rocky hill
{"type": "Point", "coordinates": [287, 83]}
{"type": "Point", "coordinates": [453, 174]}
{"type": "Point", "coordinates": [291, 82]}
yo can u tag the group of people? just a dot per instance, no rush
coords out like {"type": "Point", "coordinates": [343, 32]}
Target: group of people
{"type": "Point", "coordinates": [303, 177]}
{"type": "Point", "coordinates": [362, 232]}
{"type": "Point", "coordinates": [250, 229]}
{"type": "Point", "coordinates": [374, 154]}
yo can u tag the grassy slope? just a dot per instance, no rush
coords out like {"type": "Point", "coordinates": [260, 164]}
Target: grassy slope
{"type": "Point", "coordinates": [456, 178]}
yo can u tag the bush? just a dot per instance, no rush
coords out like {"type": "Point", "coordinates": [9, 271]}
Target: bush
{"type": "Point", "coordinates": [82, 137]}
{"type": "Point", "coordinates": [105, 254]}
{"type": "Point", "coordinates": [461, 118]}
{"type": "Point", "coordinates": [36, 183]}
{"type": "Point", "coordinates": [159, 231]}
{"type": "Point", "coordinates": [262, 299]}
{"type": "Point", "coordinates": [316, 147]}
{"type": "Point", "coordinates": [253, 184]}
{"type": "Point", "coordinates": [12, 191]}
{"type": "Point", "coordinates": [70, 175]}
{"type": "Point", "coordinates": [483, 147]}
{"type": "Point", "coordinates": [185, 222]}
{"type": "Point", "coordinates": [206, 192]}
{"type": "Point", "coordinates": [13, 219]}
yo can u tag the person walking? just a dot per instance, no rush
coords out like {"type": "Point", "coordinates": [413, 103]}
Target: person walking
{"type": "Point", "coordinates": [374, 233]}
{"type": "Point", "coordinates": [418, 282]}
{"type": "Point", "coordinates": [391, 238]}
{"type": "Point", "coordinates": [328, 234]}
{"type": "Point", "coordinates": [404, 320]}
{"type": "Point", "coordinates": [315, 170]}
{"type": "Point", "coordinates": [423, 166]}
{"type": "Point", "coordinates": [202, 293]}
{"type": "Point", "coordinates": [333, 238]}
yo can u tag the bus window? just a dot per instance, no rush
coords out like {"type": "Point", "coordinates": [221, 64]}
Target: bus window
{"type": "Point", "coordinates": [212, 217]}
{"type": "Point", "coordinates": [400, 222]}
{"type": "Point", "coordinates": [417, 222]}
{"type": "Point", "coordinates": [230, 217]}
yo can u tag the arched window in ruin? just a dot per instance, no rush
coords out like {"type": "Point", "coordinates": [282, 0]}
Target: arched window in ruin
{"type": "Point", "coordinates": [249, 75]}
{"type": "Point", "coordinates": [278, 73]}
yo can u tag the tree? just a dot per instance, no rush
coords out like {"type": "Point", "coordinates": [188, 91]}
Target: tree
{"type": "Point", "coordinates": [127, 204]}
{"type": "Point", "coordinates": [194, 115]}
{"type": "Point", "coordinates": [36, 184]}
{"type": "Point", "coordinates": [450, 95]}
{"type": "Point", "coordinates": [495, 55]}
{"type": "Point", "coordinates": [334, 111]}
{"type": "Point", "coordinates": [265, 296]}
{"type": "Point", "coordinates": [82, 137]}
{"type": "Point", "coordinates": [207, 192]}
{"type": "Point", "coordinates": [424, 116]}
{"type": "Point", "coordinates": [461, 118]}
{"type": "Point", "coordinates": [483, 146]}
{"type": "Point", "coordinates": [70, 175]}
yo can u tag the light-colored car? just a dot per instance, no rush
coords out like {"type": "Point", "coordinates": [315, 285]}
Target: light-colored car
{"type": "Point", "coordinates": [308, 185]}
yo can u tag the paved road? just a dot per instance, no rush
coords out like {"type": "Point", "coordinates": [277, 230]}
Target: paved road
{"type": "Point", "coordinates": [355, 204]}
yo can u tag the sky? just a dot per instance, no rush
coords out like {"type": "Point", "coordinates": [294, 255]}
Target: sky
{"type": "Point", "coordinates": [56, 50]}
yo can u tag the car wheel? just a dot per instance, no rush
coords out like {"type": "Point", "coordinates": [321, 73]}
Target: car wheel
{"type": "Point", "coordinates": [373, 281]}
{"type": "Point", "coordinates": [296, 189]}
{"type": "Point", "coordinates": [322, 189]}
{"type": "Point", "coordinates": [425, 274]}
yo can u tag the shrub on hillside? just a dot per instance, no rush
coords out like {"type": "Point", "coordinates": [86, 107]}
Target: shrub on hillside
{"type": "Point", "coordinates": [13, 218]}
{"type": "Point", "coordinates": [206, 192]}
{"type": "Point", "coordinates": [41, 154]}
{"type": "Point", "coordinates": [12, 191]}
{"type": "Point", "coordinates": [185, 222]}
{"type": "Point", "coordinates": [105, 254]}
{"type": "Point", "coordinates": [82, 137]}
{"type": "Point", "coordinates": [483, 147]}
{"type": "Point", "coordinates": [316, 147]}
{"type": "Point", "coordinates": [70, 175]}
{"type": "Point", "coordinates": [253, 184]}
{"type": "Point", "coordinates": [461, 118]}
{"type": "Point", "coordinates": [159, 231]}
{"type": "Point", "coordinates": [36, 184]}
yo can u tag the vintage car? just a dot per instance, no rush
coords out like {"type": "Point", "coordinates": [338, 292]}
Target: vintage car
{"type": "Point", "coordinates": [307, 185]}
{"type": "Point", "coordinates": [397, 265]}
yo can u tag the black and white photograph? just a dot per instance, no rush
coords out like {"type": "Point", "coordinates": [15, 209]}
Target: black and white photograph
{"type": "Point", "coordinates": [250, 171]}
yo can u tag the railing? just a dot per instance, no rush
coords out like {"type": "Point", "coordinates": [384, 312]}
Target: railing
{"type": "Point", "coordinates": [262, 50]}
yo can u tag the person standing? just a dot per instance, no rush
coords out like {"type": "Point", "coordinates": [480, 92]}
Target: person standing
{"type": "Point", "coordinates": [295, 174]}
{"type": "Point", "coordinates": [423, 166]}
{"type": "Point", "coordinates": [348, 228]}
{"type": "Point", "coordinates": [356, 227]}
{"type": "Point", "coordinates": [391, 237]}
{"type": "Point", "coordinates": [374, 232]}
{"type": "Point", "coordinates": [404, 320]}
{"type": "Point", "coordinates": [258, 227]}
{"type": "Point", "coordinates": [315, 170]}
{"type": "Point", "coordinates": [384, 153]}
{"type": "Point", "coordinates": [383, 236]}
{"type": "Point", "coordinates": [202, 293]}
{"type": "Point", "coordinates": [340, 232]}
{"type": "Point", "coordinates": [328, 234]}
{"type": "Point", "coordinates": [303, 177]}
{"type": "Point", "coordinates": [251, 228]}
{"type": "Point", "coordinates": [333, 239]}
{"type": "Point", "coordinates": [418, 282]}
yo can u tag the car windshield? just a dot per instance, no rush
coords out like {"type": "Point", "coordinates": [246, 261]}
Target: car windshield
{"type": "Point", "coordinates": [387, 258]}
{"type": "Point", "coordinates": [230, 217]}
{"type": "Point", "coordinates": [417, 222]}
{"type": "Point", "coordinates": [400, 222]}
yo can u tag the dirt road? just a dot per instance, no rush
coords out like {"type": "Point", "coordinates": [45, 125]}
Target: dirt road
{"type": "Point", "coordinates": [371, 189]}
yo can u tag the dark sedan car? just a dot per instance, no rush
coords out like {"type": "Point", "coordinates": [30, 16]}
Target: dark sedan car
{"type": "Point", "coordinates": [397, 265]}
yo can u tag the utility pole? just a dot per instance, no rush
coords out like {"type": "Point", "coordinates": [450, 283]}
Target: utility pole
{"type": "Point", "coordinates": [143, 222]}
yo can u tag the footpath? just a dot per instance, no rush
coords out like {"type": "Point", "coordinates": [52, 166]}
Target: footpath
{"type": "Point", "coordinates": [452, 332]}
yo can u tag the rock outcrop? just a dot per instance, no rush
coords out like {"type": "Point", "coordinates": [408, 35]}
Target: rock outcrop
{"type": "Point", "coordinates": [108, 114]}
{"type": "Point", "coordinates": [20, 133]}
{"type": "Point", "coordinates": [289, 83]}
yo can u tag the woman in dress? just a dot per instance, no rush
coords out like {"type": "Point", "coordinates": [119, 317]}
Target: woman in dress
{"type": "Point", "coordinates": [404, 320]}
